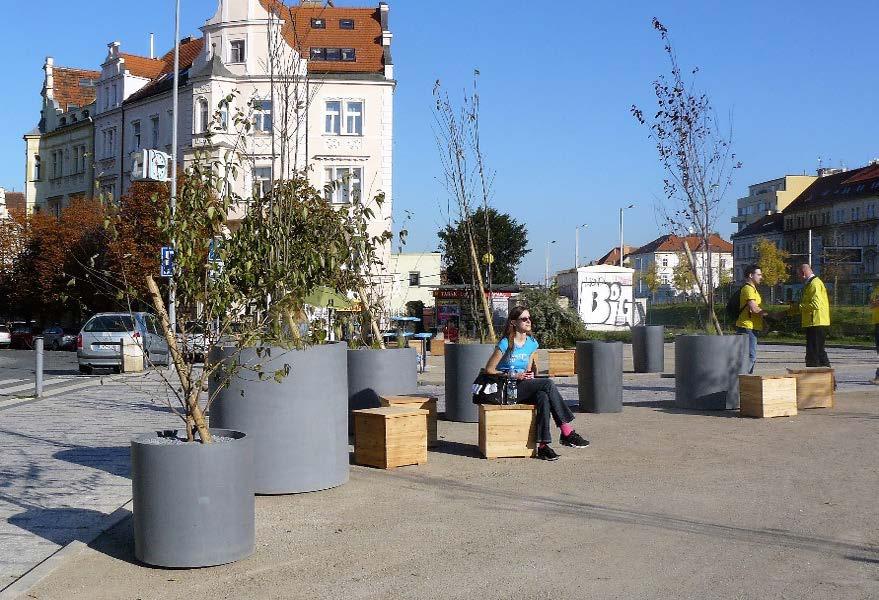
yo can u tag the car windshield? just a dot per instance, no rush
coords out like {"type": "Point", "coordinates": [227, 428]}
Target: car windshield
{"type": "Point", "coordinates": [22, 329]}
{"type": "Point", "coordinates": [111, 323]}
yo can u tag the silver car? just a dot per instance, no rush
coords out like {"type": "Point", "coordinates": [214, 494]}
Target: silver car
{"type": "Point", "coordinates": [98, 343]}
{"type": "Point", "coordinates": [5, 337]}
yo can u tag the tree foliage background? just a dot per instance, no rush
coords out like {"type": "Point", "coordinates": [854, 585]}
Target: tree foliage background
{"type": "Point", "coordinates": [553, 326]}
{"type": "Point", "coordinates": [509, 243]}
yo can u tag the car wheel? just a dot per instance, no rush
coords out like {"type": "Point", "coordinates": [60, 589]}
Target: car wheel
{"type": "Point", "coordinates": [85, 369]}
{"type": "Point", "coordinates": [55, 346]}
{"type": "Point", "coordinates": [116, 370]}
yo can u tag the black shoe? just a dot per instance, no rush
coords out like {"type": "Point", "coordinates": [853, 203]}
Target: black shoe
{"type": "Point", "coordinates": [575, 440]}
{"type": "Point", "coordinates": [546, 453]}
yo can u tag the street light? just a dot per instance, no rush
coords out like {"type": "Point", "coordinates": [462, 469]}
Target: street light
{"type": "Point", "coordinates": [546, 273]}
{"type": "Point", "coordinates": [622, 208]}
{"type": "Point", "coordinates": [577, 245]}
{"type": "Point", "coordinates": [172, 288]}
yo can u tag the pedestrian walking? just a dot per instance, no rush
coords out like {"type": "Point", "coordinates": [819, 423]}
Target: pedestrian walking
{"type": "Point", "coordinates": [874, 308]}
{"type": "Point", "coordinates": [751, 314]}
{"type": "Point", "coordinates": [814, 316]}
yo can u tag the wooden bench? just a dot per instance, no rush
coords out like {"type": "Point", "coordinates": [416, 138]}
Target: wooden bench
{"type": "Point", "coordinates": [765, 396]}
{"type": "Point", "coordinates": [423, 401]}
{"type": "Point", "coordinates": [507, 431]}
{"type": "Point", "coordinates": [390, 436]}
{"type": "Point", "coordinates": [814, 387]}
{"type": "Point", "coordinates": [437, 347]}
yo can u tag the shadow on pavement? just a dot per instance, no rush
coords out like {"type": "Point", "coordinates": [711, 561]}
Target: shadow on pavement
{"type": "Point", "coordinates": [115, 460]}
{"type": "Point", "coordinates": [60, 525]}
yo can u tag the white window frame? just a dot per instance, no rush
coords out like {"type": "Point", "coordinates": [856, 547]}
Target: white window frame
{"type": "Point", "coordinates": [38, 167]}
{"type": "Point", "coordinates": [201, 120]}
{"type": "Point", "coordinates": [343, 116]}
{"type": "Point", "coordinates": [417, 275]}
{"type": "Point", "coordinates": [262, 182]}
{"type": "Point", "coordinates": [154, 133]}
{"type": "Point", "coordinates": [262, 118]}
{"type": "Point", "coordinates": [136, 135]}
{"type": "Point", "coordinates": [347, 183]}
{"type": "Point", "coordinates": [242, 58]}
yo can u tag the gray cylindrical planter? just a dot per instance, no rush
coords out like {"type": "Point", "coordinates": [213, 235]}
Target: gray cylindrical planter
{"type": "Point", "coordinates": [600, 376]}
{"type": "Point", "coordinates": [193, 502]}
{"type": "Point", "coordinates": [463, 363]}
{"type": "Point", "coordinates": [299, 427]}
{"type": "Point", "coordinates": [707, 369]}
{"type": "Point", "coordinates": [648, 348]}
{"type": "Point", "coordinates": [373, 373]}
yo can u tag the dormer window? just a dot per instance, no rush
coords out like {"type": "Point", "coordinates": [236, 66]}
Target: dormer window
{"type": "Point", "coordinates": [237, 52]}
{"type": "Point", "coordinates": [346, 23]}
{"type": "Point", "coordinates": [318, 24]}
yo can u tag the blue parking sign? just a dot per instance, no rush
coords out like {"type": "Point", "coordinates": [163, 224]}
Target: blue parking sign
{"type": "Point", "coordinates": [167, 263]}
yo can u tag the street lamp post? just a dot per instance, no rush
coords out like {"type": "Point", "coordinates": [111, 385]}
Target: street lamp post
{"type": "Point", "coordinates": [577, 245]}
{"type": "Point", "coordinates": [172, 288]}
{"type": "Point", "coordinates": [622, 208]}
{"type": "Point", "coordinates": [546, 273]}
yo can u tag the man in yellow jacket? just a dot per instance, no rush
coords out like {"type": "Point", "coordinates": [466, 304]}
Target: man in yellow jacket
{"type": "Point", "coordinates": [815, 317]}
{"type": "Point", "coordinates": [874, 309]}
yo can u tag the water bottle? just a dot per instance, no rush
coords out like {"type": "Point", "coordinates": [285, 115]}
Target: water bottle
{"type": "Point", "coordinates": [512, 387]}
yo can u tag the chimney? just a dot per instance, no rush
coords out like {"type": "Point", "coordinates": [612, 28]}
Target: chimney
{"type": "Point", "coordinates": [113, 48]}
{"type": "Point", "coordinates": [48, 69]}
{"type": "Point", "coordinates": [152, 45]}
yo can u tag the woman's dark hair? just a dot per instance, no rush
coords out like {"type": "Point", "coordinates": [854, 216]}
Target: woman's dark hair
{"type": "Point", "coordinates": [510, 327]}
{"type": "Point", "coordinates": [750, 269]}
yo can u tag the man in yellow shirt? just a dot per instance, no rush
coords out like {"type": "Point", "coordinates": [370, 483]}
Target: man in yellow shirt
{"type": "Point", "coordinates": [874, 306]}
{"type": "Point", "coordinates": [814, 317]}
{"type": "Point", "coordinates": [750, 319]}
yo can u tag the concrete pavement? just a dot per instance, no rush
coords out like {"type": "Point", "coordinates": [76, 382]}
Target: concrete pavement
{"type": "Point", "coordinates": [666, 503]}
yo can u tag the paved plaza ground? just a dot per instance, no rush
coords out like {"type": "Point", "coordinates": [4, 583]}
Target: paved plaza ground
{"type": "Point", "coordinates": [666, 503]}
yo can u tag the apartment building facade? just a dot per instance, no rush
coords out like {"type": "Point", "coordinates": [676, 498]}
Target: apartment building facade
{"type": "Point", "coordinates": [769, 197]}
{"type": "Point", "coordinates": [666, 252]}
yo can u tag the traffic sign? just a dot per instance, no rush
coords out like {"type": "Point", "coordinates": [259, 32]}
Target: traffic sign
{"type": "Point", "coordinates": [167, 262]}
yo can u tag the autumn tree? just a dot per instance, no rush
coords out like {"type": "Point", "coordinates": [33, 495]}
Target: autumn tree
{"type": "Point", "coordinates": [651, 278]}
{"type": "Point", "coordinates": [683, 276]}
{"type": "Point", "coordinates": [773, 263]}
{"type": "Point", "coordinates": [696, 155]}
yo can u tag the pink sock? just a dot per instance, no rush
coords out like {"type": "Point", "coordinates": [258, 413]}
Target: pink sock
{"type": "Point", "coordinates": [566, 429]}
{"type": "Point", "coordinates": [541, 444]}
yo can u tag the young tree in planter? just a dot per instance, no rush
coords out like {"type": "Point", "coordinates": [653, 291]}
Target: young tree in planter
{"type": "Point", "coordinates": [696, 156]}
{"type": "Point", "coordinates": [773, 264]}
{"type": "Point", "coordinates": [467, 181]}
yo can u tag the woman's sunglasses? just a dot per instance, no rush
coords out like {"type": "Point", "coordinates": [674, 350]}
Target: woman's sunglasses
{"type": "Point", "coordinates": [525, 318]}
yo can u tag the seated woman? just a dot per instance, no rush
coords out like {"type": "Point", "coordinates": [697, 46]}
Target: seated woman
{"type": "Point", "coordinates": [516, 353]}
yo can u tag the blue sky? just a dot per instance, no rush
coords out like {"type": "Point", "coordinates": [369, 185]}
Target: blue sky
{"type": "Point", "coordinates": [557, 82]}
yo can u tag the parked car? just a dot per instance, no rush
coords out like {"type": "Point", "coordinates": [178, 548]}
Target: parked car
{"type": "Point", "coordinates": [98, 343]}
{"type": "Point", "coordinates": [23, 335]}
{"type": "Point", "coordinates": [59, 338]}
{"type": "Point", "coordinates": [192, 345]}
{"type": "Point", "coordinates": [5, 337]}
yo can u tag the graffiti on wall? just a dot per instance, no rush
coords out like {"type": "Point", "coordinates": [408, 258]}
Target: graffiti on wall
{"type": "Point", "coordinates": [606, 300]}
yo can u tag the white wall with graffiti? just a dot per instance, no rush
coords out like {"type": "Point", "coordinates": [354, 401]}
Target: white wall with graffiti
{"type": "Point", "coordinates": [602, 295]}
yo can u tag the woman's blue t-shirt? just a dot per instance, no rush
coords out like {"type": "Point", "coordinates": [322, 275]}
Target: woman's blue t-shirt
{"type": "Point", "coordinates": [520, 358]}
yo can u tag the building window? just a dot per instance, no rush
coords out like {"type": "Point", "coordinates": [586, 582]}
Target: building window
{"type": "Point", "coordinates": [262, 180]}
{"type": "Point", "coordinates": [414, 278]}
{"type": "Point", "coordinates": [237, 51]}
{"type": "Point", "coordinates": [343, 184]}
{"type": "Point", "coordinates": [262, 117]}
{"type": "Point", "coordinates": [109, 142]}
{"type": "Point", "coordinates": [334, 54]}
{"type": "Point", "coordinates": [201, 116]}
{"type": "Point", "coordinates": [37, 167]}
{"type": "Point", "coordinates": [318, 24]}
{"type": "Point", "coordinates": [224, 119]}
{"type": "Point", "coordinates": [664, 262]}
{"type": "Point", "coordinates": [135, 135]}
{"type": "Point", "coordinates": [108, 191]}
{"type": "Point", "coordinates": [856, 213]}
{"type": "Point", "coordinates": [154, 129]}
{"type": "Point", "coordinates": [346, 23]}
{"type": "Point", "coordinates": [318, 54]}
{"type": "Point", "coordinates": [349, 54]}
{"type": "Point", "coordinates": [82, 158]}
{"type": "Point", "coordinates": [106, 97]}
{"type": "Point", "coordinates": [114, 97]}
{"type": "Point", "coordinates": [75, 159]}
{"type": "Point", "coordinates": [344, 117]}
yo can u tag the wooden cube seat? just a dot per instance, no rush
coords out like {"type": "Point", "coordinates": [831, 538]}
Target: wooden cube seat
{"type": "Point", "coordinates": [390, 436]}
{"type": "Point", "coordinates": [765, 396]}
{"type": "Point", "coordinates": [507, 431]}
{"type": "Point", "coordinates": [562, 363]}
{"type": "Point", "coordinates": [423, 401]}
{"type": "Point", "coordinates": [814, 387]}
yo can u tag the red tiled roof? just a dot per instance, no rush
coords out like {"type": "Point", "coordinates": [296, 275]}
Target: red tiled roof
{"type": "Point", "coordinates": [141, 66]}
{"type": "Point", "coordinates": [613, 257]}
{"type": "Point", "coordinates": [866, 174]}
{"type": "Point", "coordinates": [15, 200]}
{"type": "Point", "coordinates": [674, 243]}
{"type": "Point", "coordinates": [825, 191]}
{"type": "Point", "coordinates": [68, 88]}
{"type": "Point", "coordinates": [189, 51]}
{"type": "Point", "coordinates": [365, 38]}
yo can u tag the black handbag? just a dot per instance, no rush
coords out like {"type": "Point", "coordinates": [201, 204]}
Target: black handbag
{"type": "Point", "coordinates": [489, 389]}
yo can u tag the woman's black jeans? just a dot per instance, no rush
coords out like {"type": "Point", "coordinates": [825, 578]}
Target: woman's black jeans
{"type": "Point", "coordinates": [542, 393]}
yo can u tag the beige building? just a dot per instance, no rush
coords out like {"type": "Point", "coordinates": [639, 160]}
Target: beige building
{"type": "Point", "coordinates": [414, 276]}
{"type": "Point", "coordinates": [59, 151]}
{"type": "Point", "coordinates": [769, 197]}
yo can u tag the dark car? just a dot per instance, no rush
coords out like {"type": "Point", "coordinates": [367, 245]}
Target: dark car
{"type": "Point", "coordinates": [60, 338]}
{"type": "Point", "coordinates": [23, 335]}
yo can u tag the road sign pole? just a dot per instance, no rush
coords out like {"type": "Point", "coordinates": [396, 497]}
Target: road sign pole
{"type": "Point", "coordinates": [38, 374]}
